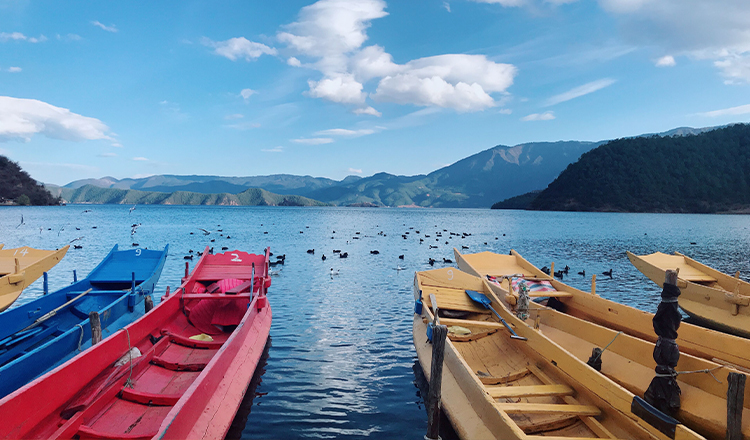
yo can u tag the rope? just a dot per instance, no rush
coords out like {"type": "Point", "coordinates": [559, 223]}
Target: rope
{"type": "Point", "coordinates": [80, 339]}
{"type": "Point", "coordinates": [610, 343]}
{"type": "Point", "coordinates": [129, 383]}
{"type": "Point", "coordinates": [707, 370]}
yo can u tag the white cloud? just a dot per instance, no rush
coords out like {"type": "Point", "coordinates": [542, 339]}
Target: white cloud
{"type": "Point", "coordinates": [700, 29]}
{"type": "Point", "coordinates": [332, 32]}
{"type": "Point", "coordinates": [17, 36]}
{"type": "Point", "coordinates": [505, 111]}
{"type": "Point", "coordinates": [546, 116]}
{"type": "Point", "coordinates": [244, 125]}
{"type": "Point", "coordinates": [99, 24]}
{"type": "Point", "coordinates": [173, 111]}
{"type": "Point", "coordinates": [234, 116]}
{"type": "Point", "coordinates": [273, 150]}
{"type": "Point", "coordinates": [294, 62]}
{"type": "Point", "coordinates": [20, 119]}
{"type": "Point", "coordinates": [666, 61]}
{"type": "Point", "coordinates": [14, 69]}
{"type": "Point", "coordinates": [732, 111]}
{"type": "Point", "coordinates": [367, 111]}
{"type": "Point", "coordinates": [69, 37]}
{"type": "Point", "coordinates": [579, 91]}
{"type": "Point", "coordinates": [447, 6]}
{"type": "Point", "coordinates": [107, 155]}
{"type": "Point", "coordinates": [247, 93]}
{"type": "Point", "coordinates": [506, 3]}
{"type": "Point", "coordinates": [140, 159]}
{"type": "Point", "coordinates": [355, 170]}
{"type": "Point", "coordinates": [345, 132]}
{"type": "Point", "coordinates": [313, 141]}
{"type": "Point", "coordinates": [241, 47]}
{"type": "Point", "coordinates": [116, 144]}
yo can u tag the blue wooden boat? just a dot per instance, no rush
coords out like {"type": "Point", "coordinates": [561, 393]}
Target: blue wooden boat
{"type": "Point", "coordinates": [38, 336]}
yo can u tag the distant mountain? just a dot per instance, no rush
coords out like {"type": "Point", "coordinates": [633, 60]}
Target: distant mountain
{"type": "Point", "coordinates": [706, 172]}
{"type": "Point", "coordinates": [18, 188]}
{"type": "Point", "coordinates": [249, 197]}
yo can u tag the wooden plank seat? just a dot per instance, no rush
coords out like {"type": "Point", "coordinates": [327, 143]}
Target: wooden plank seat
{"type": "Point", "coordinates": [145, 398]}
{"type": "Point", "coordinates": [87, 432]}
{"type": "Point", "coordinates": [178, 366]}
{"type": "Point", "coordinates": [453, 299]}
{"type": "Point", "coordinates": [529, 391]}
{"type": "Point", "coordinates": [216, 296]}
{"type": "Point", "coordinates": [218, 272]}
{"type": "Point", "coordinates": [548, 408]}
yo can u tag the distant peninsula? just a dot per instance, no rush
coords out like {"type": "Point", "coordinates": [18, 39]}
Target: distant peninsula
{"type": "Point", "coordinates": [249, 197]}
{"type": "Point", "coordinates": [707, 172]}
{"type": "Point", "coordinates": [18, 188]}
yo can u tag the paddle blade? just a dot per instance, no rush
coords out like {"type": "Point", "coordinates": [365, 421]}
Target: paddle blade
{"type": "Point", "coordinates": [479, 298]}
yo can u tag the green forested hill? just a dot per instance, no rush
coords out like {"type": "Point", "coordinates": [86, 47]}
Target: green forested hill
{"type": "Point", "coordinates": [17, 187]}
{"type": "Point", "coordinates": [708, 172]}
{"type": "Point", "coordinates": [249, 197]}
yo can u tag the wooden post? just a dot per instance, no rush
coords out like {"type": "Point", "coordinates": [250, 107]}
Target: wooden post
{"type": "Point", "coordinates": [18, 266]}
{"type": "Point", "coordinates": [593, 284]}
{"type": "Point", "coordinates": [46, 283]}
{"type": "Point", "coordinates": [149, 303]}
{"type": "Point", "coordinates": [670, 277]}
{"type": "Point", "coordinates": [75, 276]}
{"type": "Point", "coordinates": [552, 269]}
{"type": "Point", "coordinates": [96, 328]}
{"type": "Point", "coordinates": [439, 334]}
{"type": "Point", "coordinates": [735, 404]}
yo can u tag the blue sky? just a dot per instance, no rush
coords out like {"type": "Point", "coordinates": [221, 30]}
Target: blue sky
{"type": "Point", "coordinates": [339, 87]}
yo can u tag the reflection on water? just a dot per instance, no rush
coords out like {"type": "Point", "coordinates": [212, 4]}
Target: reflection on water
{"type": "Point", "coordinates": [240, 419]}
{"type": "Point", "coordinates": [423, 390]}
{"type": "Point", "coordinates": [342, 359]}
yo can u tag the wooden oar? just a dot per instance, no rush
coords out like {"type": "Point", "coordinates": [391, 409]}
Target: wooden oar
{"type": "Point", "coordinates": [54, 312]}
{"type": "Point", "coordinates": [483, 300]}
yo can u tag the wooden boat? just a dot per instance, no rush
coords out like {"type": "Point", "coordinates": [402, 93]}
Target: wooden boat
{"type": "Point", "coordinates": [628, 359]}
{"type": "Point", "coordinates": [698, 341]}
{"type": "Point", "coordinates": [495, 387]}
{"type": "Point", "coordinates": [22, 266]}
{"type": "Point", "coordinates": [44, 333]}
{"type": "Point", "coordinates": [178, 372]}
{"type": "Point", "coordinates": [713, 298]}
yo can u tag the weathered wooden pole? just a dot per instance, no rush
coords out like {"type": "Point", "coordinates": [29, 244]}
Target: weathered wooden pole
{"type": "Point", "coordinates": [593, 284]}
{"type": "Point", "coordinates": [75, 276]}
{"type": "Point", "coordinates": [439, 334]}
{"type": "Point", "coordinates": [735, 404]}
{"type": "Point", "coordinates": [149, 303]}
{"type": "Point", "coordinates": [96, 328]}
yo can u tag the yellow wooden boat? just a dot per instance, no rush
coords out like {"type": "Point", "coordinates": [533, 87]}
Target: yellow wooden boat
{"type": "Point", "coordinates": [715, 299]}
{"type": "Point", "coordinates": [722, 348]}
{"type": "Point", "coordinates": [495, 387]}
{"type": "Point", "coordinates": [22, 266]}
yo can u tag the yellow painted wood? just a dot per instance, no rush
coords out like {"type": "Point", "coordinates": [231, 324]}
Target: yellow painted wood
{"type": "Point", "coordinates": [530, 391]}
{"type": "Point", "coordinates": [22, 266]}
{"type": "Point", "coordinates": [453, 299]}
{"type": "Point", "coordinates": [542, 408]}
{"type": "Point", "coordinates": [541, 437]}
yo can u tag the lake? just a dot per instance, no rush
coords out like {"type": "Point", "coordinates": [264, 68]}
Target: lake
{"type": "Point", "coordinates": [340, 358]}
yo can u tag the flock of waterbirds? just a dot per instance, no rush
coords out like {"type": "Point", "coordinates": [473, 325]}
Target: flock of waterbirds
{"type": "Point", "coordinates": [439, 235]}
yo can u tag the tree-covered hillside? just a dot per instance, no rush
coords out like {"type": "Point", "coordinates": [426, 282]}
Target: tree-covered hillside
{"type": "Point", "coordinates": [17, 187]}
{"type": "Point", "coordinates": [708, 172]}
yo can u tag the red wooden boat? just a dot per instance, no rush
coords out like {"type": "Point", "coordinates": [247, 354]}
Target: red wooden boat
{"type": "Point", "coordinates": [179, 372]}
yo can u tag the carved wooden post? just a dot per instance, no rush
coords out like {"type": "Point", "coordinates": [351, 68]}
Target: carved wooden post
{"type": "Point", "coordinates": [439, 334]}
{"type": "Point", "coordinates": [96, 328]}
{"type": "Point", "coordinates": [149, 303]}
{"type": "Point", "coordinates": [735, 404]}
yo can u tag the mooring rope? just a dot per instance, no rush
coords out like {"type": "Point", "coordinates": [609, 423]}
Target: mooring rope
{"type": "Point", "coordinates": [707, 370]}
{"type": "Point", "coordinates": [607, 346]}
{"type": "Point", "coordinates": [129, 383]}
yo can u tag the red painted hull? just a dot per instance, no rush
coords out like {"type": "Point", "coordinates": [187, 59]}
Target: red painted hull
{"type": "Point", "coordinates": [177, 388]}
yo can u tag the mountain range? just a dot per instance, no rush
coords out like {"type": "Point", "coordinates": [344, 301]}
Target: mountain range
{"type": "Point", "coordinates": [476, 181]}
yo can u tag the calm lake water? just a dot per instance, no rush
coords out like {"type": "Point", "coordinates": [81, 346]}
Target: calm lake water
{"type": "Point", "coordinates": [340, 358]}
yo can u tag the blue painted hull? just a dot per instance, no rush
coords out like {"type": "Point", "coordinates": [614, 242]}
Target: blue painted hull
{"type": "Point", "coordinates": [119, 285]}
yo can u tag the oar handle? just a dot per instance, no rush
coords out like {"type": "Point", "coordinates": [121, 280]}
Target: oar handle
{"type": "Point", "coordinates": [513, 333]}
{"type": "Point", "coordinates": [54, 312]}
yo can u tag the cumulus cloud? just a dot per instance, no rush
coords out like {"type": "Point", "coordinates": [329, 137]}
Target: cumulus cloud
{"type": "Point", "coordinates": [241, 47]}
{"type": "Point", "coordinates": [140, 159]}
{"type": "Point", "coordinates": [546, 116]}
{"type": "Point", "coordinates": [695, 28]}
{"type": "Point", "coordinates": [14, 69]}
{"type": "Point", "coordinates": [273, 150]}
{"type": "Point", "coordinates": [107, 155]}
{"type": "Point", "coordinates": [247, 93]}
{"type": "Point", "coordinates": [332, 33]}
{"type": "Point", "coordinates": [732, 111]}
{"type": "Point", "coordinates": [367, 111]}
{"type": "Point", "coordinates": [345, 132]}
{"type": "Point", "coordinates": [313, 141]}
{"type": "Point", "coordinates": [17, 36]}
{"type": "Point", "coordinates": [102, 26]}
{"type": "Point", "coordinates": [579, 91]}
{"type": "Point", "coordinates": [355, 170]}
{"type": "Point", "coordinates": [294, 62]}
{"type": "Point", "coordinates": [244, 125]}
{"type": "Point", "coordinates": [69, 37]}
{"type": "Point", "coordinates": [20, 119]}
{"type": "Point", "coordinates": [506, 3]}
{"type": "Point", "coordinates": [665, 61]}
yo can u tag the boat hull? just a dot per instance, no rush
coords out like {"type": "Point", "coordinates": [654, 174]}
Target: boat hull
{"type": "Point", "coordinates": [710, 297]}
{"type": "Point", "coordinates": [33, 263]}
